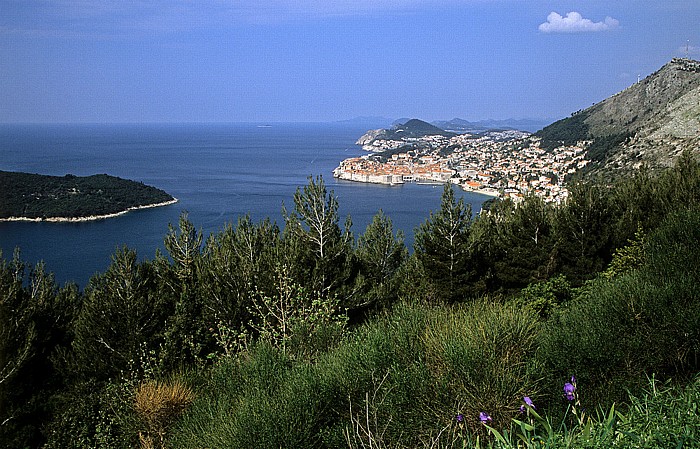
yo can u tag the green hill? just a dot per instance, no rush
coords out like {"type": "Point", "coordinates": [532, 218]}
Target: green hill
{"type": "Point", "coordinates": [413, 128]}
{"type": "Point", "coordinates": [33, 196]}
{"type": "Point", "coordinates": [419, 128]}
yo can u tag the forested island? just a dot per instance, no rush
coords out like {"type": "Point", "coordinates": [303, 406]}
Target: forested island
{"type": "Point", "coordinates": [34, 197]}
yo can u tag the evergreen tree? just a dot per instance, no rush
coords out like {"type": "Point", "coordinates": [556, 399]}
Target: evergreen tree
{"type": "Point", "coordinates": [527, 242]}
{"type": "Point", "coordinates": [17, 335]}
{"type": "Point", "coordinates": [121, 319]}
{"type": "Point", "coordinates": [319, 248]}
{"type": "Point", "coordinates": [237, 265]}
{"type": "Point", "coordinates": [488, 250]}
{"type": "Point", "coordinates": [35, 317]}
{"type": "Point", "coordinates": [187, 336]}
{"type": "Point", "coordinates": [584, 230]}
{"type": "Point", "coordinates": [442, 245]}
{"type": "Point", "coordinates": [380, 254]}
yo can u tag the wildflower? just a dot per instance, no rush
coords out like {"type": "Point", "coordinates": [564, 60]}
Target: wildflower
{"type": "Point", "coordinates": [460, 418]}
{"type": "Point", "coordinates": [484, 417]}
{"type": "Point", "coordinates": [529, 403]}
{"type": "Point", "coordinates": [569, 389]}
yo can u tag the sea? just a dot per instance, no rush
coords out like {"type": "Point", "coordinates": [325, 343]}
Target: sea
{"type": "Point", "coordinates": [218, 173]}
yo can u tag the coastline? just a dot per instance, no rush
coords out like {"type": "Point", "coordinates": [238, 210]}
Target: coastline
{"type": "Point", "coordinates": [90, 217]}
{"type": "Point", "coordinates": [486, 192]}
{"type": "Point", "coordinates": [394, 180]}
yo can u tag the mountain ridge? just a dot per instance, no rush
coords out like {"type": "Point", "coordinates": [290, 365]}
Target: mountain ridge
{"type": "Point", "coordinates": [447, 128]}
{"type": "Point", "coordinates": [648, 124]}
{"type": "Point", "coordinates": [413, 128]}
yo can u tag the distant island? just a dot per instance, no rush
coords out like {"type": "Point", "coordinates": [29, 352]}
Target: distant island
{"type": "Point", "coordinates": [69, 198]}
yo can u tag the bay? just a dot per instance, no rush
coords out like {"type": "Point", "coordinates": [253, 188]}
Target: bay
{"type": "Point", "coordinates": [218, 172]}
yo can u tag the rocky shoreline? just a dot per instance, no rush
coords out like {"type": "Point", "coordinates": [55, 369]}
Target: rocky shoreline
{"type": "Point", "coordinates": [90, 217]}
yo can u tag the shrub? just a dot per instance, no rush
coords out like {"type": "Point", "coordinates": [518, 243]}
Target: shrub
{"type": "Point", "coordinates": [545, 297]}
{"type": "Point", "coordinates": [409, 372]}
{"type": "Point", "coordinates": [159, 404]}
{"type": "Point", "coordinates": [483, 354]}
{"type": "Point", "coordinates": [644, 321]}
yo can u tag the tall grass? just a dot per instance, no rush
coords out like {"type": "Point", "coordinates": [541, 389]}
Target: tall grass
{"type": "Point", "coordinates": [394, 383]}
{"type": "Point", "coordinates": [158, 405]}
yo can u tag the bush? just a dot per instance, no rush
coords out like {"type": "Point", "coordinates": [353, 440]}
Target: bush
{"type": "Point", "coordinates": [403, 377]}
{"type": "Point", "coordinates": [545, 297]}
{"type": "Point", "coordinates": [159, 404]}
{"type": "Point", "coordinates": [644, 321]}
{"type": "Point", "coordinates": [483, 353]}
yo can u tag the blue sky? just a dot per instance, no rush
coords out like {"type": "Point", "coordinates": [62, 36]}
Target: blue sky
{"type": "Point", "coordinates": [327, 60]}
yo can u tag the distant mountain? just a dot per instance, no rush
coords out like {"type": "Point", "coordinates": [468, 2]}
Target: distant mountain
{"type": "Point", "coordinates": [461, 126]}
{"type": "Point", "coordinates": [412, 128]}
{"type": "Point", "coordinates": [650, 123]}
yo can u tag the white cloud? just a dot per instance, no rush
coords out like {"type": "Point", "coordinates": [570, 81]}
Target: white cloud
{"type": "Point", "coordinates": [574, 22]}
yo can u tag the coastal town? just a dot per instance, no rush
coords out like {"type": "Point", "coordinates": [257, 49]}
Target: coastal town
{"type": "Point", "coordinates": [506, 164]}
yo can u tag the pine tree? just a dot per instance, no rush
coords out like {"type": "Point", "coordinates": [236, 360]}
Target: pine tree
{"type": "Point", "coordinates": [318, 246]}
{"type": "Point", "coordinates": [17, 332]}
{"type": "Point", "coordinates": [121, 319]}
{"type": "Point", "coordinates": [187, 336]}
{"type": "Point", "coordinates": [527, 242]}
{"type": "Point", "coordinates": [584, 232]}
{"type": "Point", "coordinates": [442, 245]}
{"type": "Point", "coordinates": [380, 254]}
{"type": "Point", "coordinates": [237, 265]}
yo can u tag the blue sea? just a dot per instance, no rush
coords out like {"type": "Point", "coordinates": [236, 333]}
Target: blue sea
{"type": "Point", "coordinates": [218, 172]}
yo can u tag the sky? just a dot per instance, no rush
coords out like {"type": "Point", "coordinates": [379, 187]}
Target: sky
{"type": "Point", "coordinates": [128, 61]}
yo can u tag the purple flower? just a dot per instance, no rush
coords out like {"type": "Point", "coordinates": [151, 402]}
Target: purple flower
{"type": "Point", "coordinates": [484, 417]}
{"type": "Point", "coordinates": [460, 418]}
{"type": "Point", "coordinates": [529, 402]}
{"type": "Point", "coordinates": [569, 389]}
{"type": "Point", "coordinates": [573, 381]}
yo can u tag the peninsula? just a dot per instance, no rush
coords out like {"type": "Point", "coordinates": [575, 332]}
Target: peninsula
{"type": "Point", "coordinates": [504, 163]}
{"type": "Point", "coordinates": [69, 198]}
{"type": "Point", "coordinates": [649, 124]}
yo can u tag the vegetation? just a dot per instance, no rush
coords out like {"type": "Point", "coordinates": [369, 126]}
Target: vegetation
{"type": "Point", "coordinates": [567, 131]}
{"type": "Point", "coordinates": [40, 196]}
{"type": "Point", "coordinates": [528, 325]}
{"type": "Point", "coordinates": [414, 128]}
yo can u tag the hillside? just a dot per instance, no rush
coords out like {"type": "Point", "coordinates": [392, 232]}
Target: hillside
{"type": "Point", "coordinates": [650, 123]}
{"type": "Point", "coordinates": [462, 126]}
{"type": "Point", "coordinates": [413, 128]}
{"type": "Point", "coordinates": [33, 196]}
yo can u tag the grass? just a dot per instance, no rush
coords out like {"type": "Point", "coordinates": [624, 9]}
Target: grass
{"type": "Point", "coordinates": [158, 405]}
{"type": "Point", "coordinates": [393, 383]}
